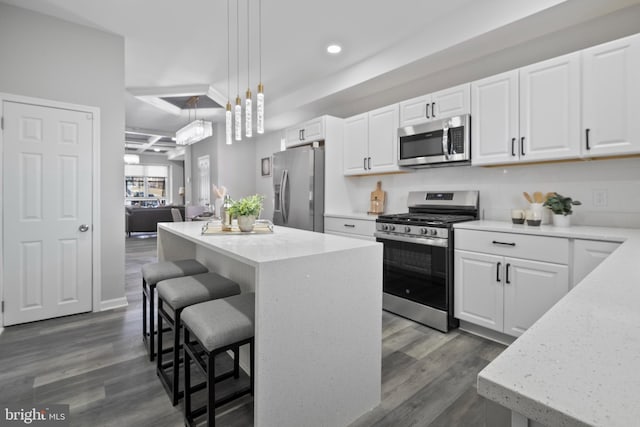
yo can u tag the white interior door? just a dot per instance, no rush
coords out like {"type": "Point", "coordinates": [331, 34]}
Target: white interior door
{"type": "Point", "coordinates": [47, 182]}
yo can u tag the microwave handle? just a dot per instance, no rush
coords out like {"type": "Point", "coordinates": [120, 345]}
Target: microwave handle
{"type": "Point", "coordinates": [445, 141]}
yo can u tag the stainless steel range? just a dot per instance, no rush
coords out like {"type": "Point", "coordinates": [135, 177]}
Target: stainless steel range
{"type": "Point", "coordinates": [418, 255]}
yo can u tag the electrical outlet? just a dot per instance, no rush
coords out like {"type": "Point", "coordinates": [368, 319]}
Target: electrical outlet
{"type": "Point", "coordinates": [600, 197]}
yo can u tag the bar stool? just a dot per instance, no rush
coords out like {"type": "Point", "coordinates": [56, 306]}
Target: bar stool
{"type": "Point", "coordinates": [153, 273]}
{"type": "Point", "coordinates": [211, 328]}
{"type": "Point", "coordinates": [177, 294]}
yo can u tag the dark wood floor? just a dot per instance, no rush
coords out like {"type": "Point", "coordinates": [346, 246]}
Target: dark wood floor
{"type": "Point", "coordinates": [96, 363]}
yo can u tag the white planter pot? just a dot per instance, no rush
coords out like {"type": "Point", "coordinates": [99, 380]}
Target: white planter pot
{"type": "Point", "coordinates": [245, 223]}
{"type": "Point", "coordinates": [562, 220]}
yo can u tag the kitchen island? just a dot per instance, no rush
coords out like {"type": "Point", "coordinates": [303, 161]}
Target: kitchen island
{"type": "Point", "coordinates": [317, 321]}
{"type": "Point", "coordinates": [578, 364]}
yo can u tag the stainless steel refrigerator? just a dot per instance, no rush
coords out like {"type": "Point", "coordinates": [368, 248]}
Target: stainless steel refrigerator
{"type": "Point", "coordinates": [298, 184]}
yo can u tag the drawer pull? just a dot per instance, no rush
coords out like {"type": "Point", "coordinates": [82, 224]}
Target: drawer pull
{"type": "Point", "coordinates": [350, 225]}
{"type": "Point", "coordinates": [495, 242]}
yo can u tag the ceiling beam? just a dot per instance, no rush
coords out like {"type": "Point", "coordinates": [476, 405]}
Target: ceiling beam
{"type": "Point", "coordinates": [152, 140]}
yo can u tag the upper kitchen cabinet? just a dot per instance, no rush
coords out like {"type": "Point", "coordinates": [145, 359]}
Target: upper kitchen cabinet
{"type": "Point", "coordinates": [550, 109]}
{"type": "Point", "coordinates": [494, 111]}
{"type": "Point", "coordinates": [450, 102]}
{"type": "Point", "coordinates": [304, 133]}
{"type": "Point", "coordinates": [611, 98]}
{"type": "Point", "coordinates": [528, 115]}
{"type": "Point", "coordinates": [371, 142]}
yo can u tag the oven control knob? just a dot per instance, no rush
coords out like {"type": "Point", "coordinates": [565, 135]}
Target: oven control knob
{"type": "Point", "coordinates": [385, 227]}
{"type": "Point", "coordinates": [433, 232]}
{"type": "Point", "coordinates": [407, 229]}
{"type": "Point", "coordinates": [392, 227]}
{"type": "Point", "coordinates": [423, 231]}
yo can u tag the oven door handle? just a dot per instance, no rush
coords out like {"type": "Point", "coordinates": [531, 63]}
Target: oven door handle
{"type": "Point", "coordinates": [427, 241]}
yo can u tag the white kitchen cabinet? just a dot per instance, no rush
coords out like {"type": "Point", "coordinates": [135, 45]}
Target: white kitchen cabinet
{"type": "Point", "coordinates": [371, 142]}
{"type": "Point", "coordinates": [550, 109]}
{"type": "Point", "coordinates": [348, 226]}
{"type": "Point", "coordinates": [611, 98]}
{"type": "Point", "coordinates": [494, 109]}
{"type": "Point", "coordinates": [450, 102]}
{"type": "Point", "coordinates": [505, 281]}
{"type": "Point", "coordinates": [530, 289]}
{"type": "Point", "coordinates": [528, 115]}
{"type": "Point", "coordinates": [305, 133]}
{"type": "Point", "coordinates": [587, 255]}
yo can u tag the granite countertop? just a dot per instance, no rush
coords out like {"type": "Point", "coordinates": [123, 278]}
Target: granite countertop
{"type": "Point", "coordinates": [253, 249]}
{"type": "Point", "coordinates": [579, 364]}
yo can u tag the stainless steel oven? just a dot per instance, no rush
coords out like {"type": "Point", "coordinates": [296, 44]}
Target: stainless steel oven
{"type": "Point", "coordinates": [418, 256]}
{"type": "Point", "coordinates": [436, 143]}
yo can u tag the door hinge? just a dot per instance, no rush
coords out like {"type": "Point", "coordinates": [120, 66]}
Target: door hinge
{"type": "Point", "coordinates": [2, 123]}
{"type": "Point", "coordinates": [2, 309]}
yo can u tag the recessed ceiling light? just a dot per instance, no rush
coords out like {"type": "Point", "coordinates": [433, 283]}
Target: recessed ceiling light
{"type": "Point", "coordinates": [156, 150]}
{"type": "Point", "coordinates": [334, 48]}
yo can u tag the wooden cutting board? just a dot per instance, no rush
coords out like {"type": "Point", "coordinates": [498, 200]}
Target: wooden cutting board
{"type": "Point", "coordinates": [377, 200]}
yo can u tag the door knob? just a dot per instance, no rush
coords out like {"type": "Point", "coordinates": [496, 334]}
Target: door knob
{"type": "Point", "coordinates": [83, 228]}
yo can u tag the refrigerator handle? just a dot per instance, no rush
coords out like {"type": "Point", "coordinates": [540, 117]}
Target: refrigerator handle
{"type": "Point", "coordinates": [283, 187]}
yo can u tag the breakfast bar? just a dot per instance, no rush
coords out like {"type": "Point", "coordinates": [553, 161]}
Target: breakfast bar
{"type": "Point", "coordinates": [317, 319]}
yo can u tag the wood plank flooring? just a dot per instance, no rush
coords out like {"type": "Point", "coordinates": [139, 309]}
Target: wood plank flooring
{"type": "Point", "coordinates": [96, 363]}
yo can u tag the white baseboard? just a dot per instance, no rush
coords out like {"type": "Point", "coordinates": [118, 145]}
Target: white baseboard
{"type": "Point", "coordinates": [1, 330]}
{"type": "Point", "coordinates": [110, 304]}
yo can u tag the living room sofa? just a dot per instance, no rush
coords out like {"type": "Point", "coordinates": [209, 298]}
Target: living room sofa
{"type": "Point", "coordinates": [146, 219]}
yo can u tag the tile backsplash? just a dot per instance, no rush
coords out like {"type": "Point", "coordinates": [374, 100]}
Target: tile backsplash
{"type": "Point", "coordinates": [608, 189]}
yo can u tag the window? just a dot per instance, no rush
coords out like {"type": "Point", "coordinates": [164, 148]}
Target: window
{"type": "Point", "coordinates": [145, 185]}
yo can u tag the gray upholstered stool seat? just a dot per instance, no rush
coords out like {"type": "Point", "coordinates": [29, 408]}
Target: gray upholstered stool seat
{"type": "Point", "coordinates": [212, 328]}
{"type": "Point", "coordinates": [153, 273]}
{"type": "Point", "coordinates": [177, 294]}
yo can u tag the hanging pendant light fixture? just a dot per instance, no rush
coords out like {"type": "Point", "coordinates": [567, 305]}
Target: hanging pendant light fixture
{"type": "Point", "coordinates": [260, 95]}
{"type": "Point", "coordinates": [238, 108]}
{"type": "Point", "coordinates": [247, 106]}
{"type": "Point", "coordinates": [228, 111]}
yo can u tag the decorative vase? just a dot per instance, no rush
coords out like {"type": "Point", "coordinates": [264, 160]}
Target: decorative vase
{"type": "Point", "coordinates": [560, 220]}
{"type": "Point", "coordinates": [245, 222]}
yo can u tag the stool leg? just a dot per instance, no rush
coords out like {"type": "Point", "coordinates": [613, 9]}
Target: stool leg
{"type": "Point", "coordinates": [251, 363]}
{"type": "Point", "coordinates": [211, 390]}
{"type": "Point", "coordinates": [187, 380]}
{"type": "Point", "coordinates": [176, 355]}
{"type": "Point", "coordinates": [152, 330]}
{"type": "Point", "coordinates": [144, 311]}
{"type": "Point", "coordinates": [159, 343]}
{"type": "Point", "coordinates": [236, 362]}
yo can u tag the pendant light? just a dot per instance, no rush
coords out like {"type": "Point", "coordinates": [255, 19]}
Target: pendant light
{"type": "Point", "coordinates": [260, 95]}
{"type": "Point", "coordinates": [238, 108]}
{"type": "Point", "coordinates": [228, 112]}
{"type": "Point", "coordinates": [247, 106]}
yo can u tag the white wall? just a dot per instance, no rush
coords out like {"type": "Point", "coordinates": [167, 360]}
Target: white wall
{"type": "Point", "coordinates": [48, 58]}
{"type": "Point", "coordinates": [501, 188]}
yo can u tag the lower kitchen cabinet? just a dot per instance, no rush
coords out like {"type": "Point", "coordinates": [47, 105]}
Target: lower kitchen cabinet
{"type": "Point", "coordinates": [349, 226]}
{"type": "Point", "coordinates": [587, 255]}
{"type": "Point", "coordinates": [506, 293]}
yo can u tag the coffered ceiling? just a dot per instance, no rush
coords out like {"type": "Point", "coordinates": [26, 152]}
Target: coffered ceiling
{"type": "Point", "coordinates": [178, 49]}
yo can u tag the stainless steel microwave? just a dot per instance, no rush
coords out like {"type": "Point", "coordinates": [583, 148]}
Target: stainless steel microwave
{"type": "Point", "coordinates": [436, 143]}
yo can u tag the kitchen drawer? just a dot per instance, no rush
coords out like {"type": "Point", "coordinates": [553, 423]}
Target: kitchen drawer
{"type": "Point", "coordinates": [344, 225]}
{"type": "Point", "coordinates": [539, 248]}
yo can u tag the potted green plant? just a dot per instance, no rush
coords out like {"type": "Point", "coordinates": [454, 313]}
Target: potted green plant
{"type": "Point", "coordinates": [561, 207]}
{"type": "Point", "coordinates": [247, 210]}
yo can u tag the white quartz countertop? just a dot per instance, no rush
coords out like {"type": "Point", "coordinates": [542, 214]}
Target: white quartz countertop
{"type": "Point", "coordinates": [254, 249]}
{"type": "Point", "coordinates": [579, 365]}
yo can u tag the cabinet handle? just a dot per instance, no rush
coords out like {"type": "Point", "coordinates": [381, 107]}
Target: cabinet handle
{"type": "Point", "coordinates": [522, 146]}
{"type": "Point", "coordinates": [513, 147]}
{"type": "Point", "coordinates": [350, 225]}
{"type": "Point", "coordinates": [369, 162]}
{"type": "Point", "coordinates": [364, 163]}
{"type": "Point", "coordinates": [300, 135]}
{"type": "Point", "coordinates": [303, 134]}
{"type": "Point", "coordinates": [498, 272]}
{"type": "Point", "coordinates": [587, 137]}
{"type": "Point", "coordinates": [506, 275]}
{"type": "Point", "coordinates": [433, 110]}
{"type": "Point", "coordinates": [428, 111]}
{"type": "Point", "coordinates": [495, 242]}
